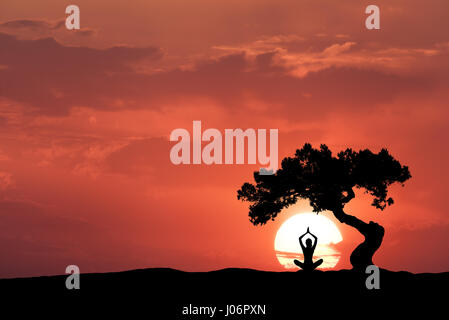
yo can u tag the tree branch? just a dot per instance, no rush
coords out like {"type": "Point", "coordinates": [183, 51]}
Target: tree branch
{"type": "Point", "coordinates": [349, 196]}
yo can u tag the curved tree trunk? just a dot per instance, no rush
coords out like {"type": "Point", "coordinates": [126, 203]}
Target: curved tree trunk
{"type": "Point", "coordinates": [362, 256]}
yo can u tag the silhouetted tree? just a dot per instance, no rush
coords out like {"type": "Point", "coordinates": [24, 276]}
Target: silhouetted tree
{"type": "Point", "coordinates": [328, 183]}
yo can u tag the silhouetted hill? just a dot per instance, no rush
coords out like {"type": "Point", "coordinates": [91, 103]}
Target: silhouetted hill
{"type": "Point", "coordinates": [162, 293]}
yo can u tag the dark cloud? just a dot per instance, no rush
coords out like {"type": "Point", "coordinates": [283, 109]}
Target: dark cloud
{"type": "Point", "coordinates": [53, 78]}
{"type": "Point", "coordinates": [38, 28]}
{"type": "Point", "coordinates": [33, 24]}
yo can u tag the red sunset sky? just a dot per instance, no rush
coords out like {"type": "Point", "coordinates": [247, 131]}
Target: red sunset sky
{"type": "Point", "coordinates": [85, 117]}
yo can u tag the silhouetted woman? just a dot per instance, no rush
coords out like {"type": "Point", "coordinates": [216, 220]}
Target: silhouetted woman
{"type": "Point", "coordinates": [307, 250]}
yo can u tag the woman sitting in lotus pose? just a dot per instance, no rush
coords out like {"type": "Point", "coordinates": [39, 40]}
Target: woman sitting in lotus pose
{"type": "Point", "coordinates": [307, 250]}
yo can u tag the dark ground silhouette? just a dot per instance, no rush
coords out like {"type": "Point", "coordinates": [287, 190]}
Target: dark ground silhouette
{"type": "Point", "coordinates": [161, 293]}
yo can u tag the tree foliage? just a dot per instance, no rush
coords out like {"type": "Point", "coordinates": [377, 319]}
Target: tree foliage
{"type": "Point", "coordinates": [325, 180]}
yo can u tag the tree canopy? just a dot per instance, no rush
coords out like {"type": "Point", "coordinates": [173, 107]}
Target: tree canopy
{"type": "Point", "coordinates": [325, 180]}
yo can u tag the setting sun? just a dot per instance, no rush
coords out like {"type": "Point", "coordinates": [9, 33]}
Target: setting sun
{"type": "Point", "coordinates": [287, 246]}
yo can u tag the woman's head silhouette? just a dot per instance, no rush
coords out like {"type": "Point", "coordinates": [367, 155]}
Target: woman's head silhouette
{"type": "Point", "coordinates": [309, 243]}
